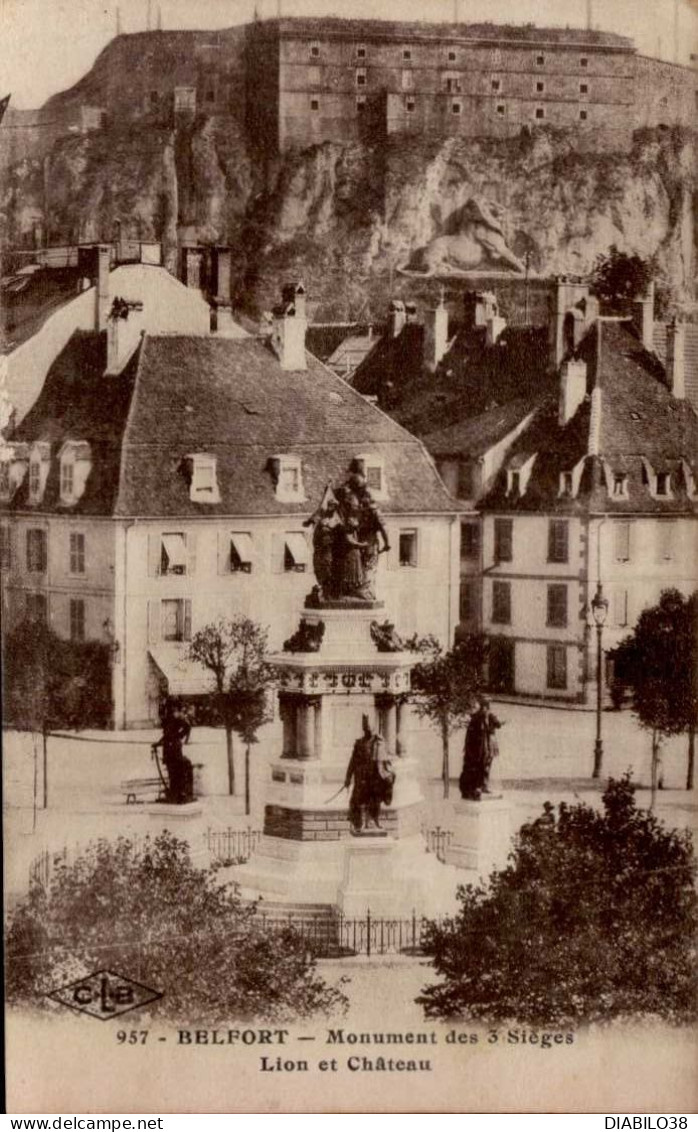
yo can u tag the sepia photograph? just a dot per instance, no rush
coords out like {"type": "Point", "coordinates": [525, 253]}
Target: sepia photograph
{"type": "Point", "coordinates": [349, 555]}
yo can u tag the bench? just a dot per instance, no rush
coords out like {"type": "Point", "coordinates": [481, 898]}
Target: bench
{"type": "Point", "coordinates": [136, 789]}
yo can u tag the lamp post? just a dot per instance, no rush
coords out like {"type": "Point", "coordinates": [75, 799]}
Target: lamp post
{"type": "Point", "coordinates": [599, 609]}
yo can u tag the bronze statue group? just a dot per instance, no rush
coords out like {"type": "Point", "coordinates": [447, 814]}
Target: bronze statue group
{"type": "Point", "coordinates": [347, 534]}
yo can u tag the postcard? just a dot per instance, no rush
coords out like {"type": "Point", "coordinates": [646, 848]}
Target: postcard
{"type": "Point", "coordinates": [349, 549]}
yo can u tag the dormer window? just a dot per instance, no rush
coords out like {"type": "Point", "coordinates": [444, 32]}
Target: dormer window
{"type": "Point", "coordinates": [659, 482]}
{"type": "Point", "coordinates": [370, 466]}
{"type": "Point", "coordinates": [663, 483]}
{"type": "Point", "coordinates": [13, 468]}
{"type": "Point", "coordinates": [38, 471]}
{"type": "Point", "coordinates": [566, 484]}
{"type": "Point", "coordinates": [75, 466]}
{"type": "Point", "coordinates": [204, 485]}
{"type": "Point", "coordinates": [620, 485]}
{"type": "Point", "coordinates": [288, 476]}
{"type": "Point", "coordinates": [519, 473]}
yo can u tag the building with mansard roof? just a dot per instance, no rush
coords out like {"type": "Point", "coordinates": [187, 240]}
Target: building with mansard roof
{"type": "Point", "coordinates": [162, 480]}
{"type": "Point", "coordinates": [574, 456]}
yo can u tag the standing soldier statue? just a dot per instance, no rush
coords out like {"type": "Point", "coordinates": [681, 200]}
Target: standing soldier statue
{"type": "Point", "coordinates": [370, 770]}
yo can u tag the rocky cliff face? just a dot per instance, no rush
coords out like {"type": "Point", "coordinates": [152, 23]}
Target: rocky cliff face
{"type": "Point", "coordinates": [357, 221]}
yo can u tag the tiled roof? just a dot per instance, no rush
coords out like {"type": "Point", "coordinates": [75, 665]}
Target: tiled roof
{"type": "Point", "coordinates": [475, 386]}
{"type": "Point", "coordinates": [77, 402]}
{"type": "Point", "coordinates": [232, 399]}
{"type": "Point", "coordinates": [324, 338]}
{"type": "Point", "coordinates": [321, 26]}
{"type": "Point", "coordinates": [472, 436]}
{"type": "Point", "coordinates": [641, 423]}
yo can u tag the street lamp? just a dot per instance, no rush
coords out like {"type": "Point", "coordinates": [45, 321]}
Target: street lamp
{"type": "Point", "coordinates": [599, 609]}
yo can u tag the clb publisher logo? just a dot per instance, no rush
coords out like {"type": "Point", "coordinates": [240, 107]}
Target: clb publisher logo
{"type": "Point", "coordinates": [104, 995]}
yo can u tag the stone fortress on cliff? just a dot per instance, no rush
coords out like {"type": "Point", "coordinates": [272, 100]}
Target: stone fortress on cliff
{"type": "Point", "coordinates": [290, 83]}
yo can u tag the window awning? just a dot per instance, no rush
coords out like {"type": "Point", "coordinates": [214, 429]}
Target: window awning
{"type": "Point", "coordinates": [297, 547]}
{"type": "Point", "coordinates": [242, 545]}
{"type": "Point", "coordinates": [184, 677]}
{"type": "Point", "coordinates": [175, 548]}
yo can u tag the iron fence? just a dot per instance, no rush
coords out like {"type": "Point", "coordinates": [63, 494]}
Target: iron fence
{"type": "Point", "coordinates": [437, 841]}
{"type": "Point", "coordinates": [332, 935]}
{"type": "Point", "coordinates": [232, 845]}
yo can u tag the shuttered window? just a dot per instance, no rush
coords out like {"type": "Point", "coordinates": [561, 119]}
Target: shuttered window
{"type": "Point", "coordinates": [557, 606]}
{"type": "Point", "coordinates": [36, 551]}
{"type": "Point", "coordinates": [622, 541]}
{"type": "Point", "coordinates": [503, 540]}
{"type": "Point", "coordinates": [557, 667]}
{"type": "Point", "coordinates": [558, 540]}
{"type": "Point", "coordinates": [501, 603]}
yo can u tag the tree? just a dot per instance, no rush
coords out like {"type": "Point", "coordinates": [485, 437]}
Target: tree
{"type": "Point", "coordinates": [51, 683]}
{"type": "Point", "coordinates": [659, 661]}
{"type": "Point", "coordinates": [618, 278]}
{"type": "Point", "coordinates": [248, 690]}
{"type": "Point", "coordinates": [149, 913]}
{"type": "Point", "coordinates": [446, 684]}
{"type": "Point", "coordinates": [234, 653]}
{"type": "Point", "coordinates": [594, 918]}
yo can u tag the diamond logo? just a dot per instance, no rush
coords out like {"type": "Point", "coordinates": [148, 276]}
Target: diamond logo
{"type": "Point", "coordinates": [104, 995]}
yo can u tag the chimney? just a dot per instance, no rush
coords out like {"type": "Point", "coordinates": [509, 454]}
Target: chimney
{"type": "Point", "coordinates": [102, 286]}
{"type": "Point", "coordinates": [676, 358]}
{"type": "Point", "coordinates": [643, 318]}
{"type": "Point", "coordinates": [124, 332]}
{"type": "Point", "coordinates": [435, 335]}
{"type": "Point", "coordinates": [290, 326]}
{"type": "Point", "coordinates": [396, 317]}
{"type": "Point", "coordinates": [573, 388]}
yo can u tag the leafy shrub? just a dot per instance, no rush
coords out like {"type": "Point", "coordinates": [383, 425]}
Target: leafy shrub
{"type": "Point", "coordinates": [151, 915]}
{"type": "Point", "coordinates": [594, 919]}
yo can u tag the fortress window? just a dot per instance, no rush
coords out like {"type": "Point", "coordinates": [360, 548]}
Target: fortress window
{"type": "Point", "coordinates": [583, 115]}
{"type": "Point", "coordinates": [540, 60]}
{"type": "Point", "coordinates": [496, 84]}
{"type": "Point", "coordinates": [361, 52]}
{"type": "Point", "coordinates": [583, 88]}
{"type": "Point", "coordinates": [584, 62]}
{"type": "Point", "coordinates": [409, 105]}
{"type": "Point", "coordinates": [540, 112]}
{"type": "Point", "coordinates": [315, 50]}
{"type": "Point", "coordinates": [456, 108]}
{"type": "Point", "coordinates": [540, 87]}
{"type": "Point", "coordinates": [501, 109]}
{"type": "Point", "coordinates": [314, 104]}
{"type": "Point", "coordinates": [407, 55]}
{"type": "Point", "coordinates": [361, 78]}
{"type": "Point", "coordinates": [361, 103]}
{"type": "Point", "coordinates": [451, 56]}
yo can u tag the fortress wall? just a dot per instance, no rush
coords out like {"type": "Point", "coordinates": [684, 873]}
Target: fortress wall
{"type": "Point", "coordinates": [665, 94]}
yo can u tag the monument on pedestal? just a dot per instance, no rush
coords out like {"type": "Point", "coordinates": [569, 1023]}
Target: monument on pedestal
{"type": "Point", "coordinates": [481, 837]}
{"type": "Point", "coordinates": [343, 813]}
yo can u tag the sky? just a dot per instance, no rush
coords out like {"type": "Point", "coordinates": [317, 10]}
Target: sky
{"type": "Point", "coordinates": [47, 45]}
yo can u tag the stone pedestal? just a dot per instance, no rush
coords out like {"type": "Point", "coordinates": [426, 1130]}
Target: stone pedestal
{"type": "Point", "coordinates": [368, 881]}
{"type": "Point", "coordinates": [308, 854]}
{"type": "Point", "coordinates": [481, 836]}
